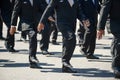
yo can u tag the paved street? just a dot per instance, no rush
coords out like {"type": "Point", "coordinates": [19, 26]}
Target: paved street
{"type": "Point", "coordinates": [15, 66]}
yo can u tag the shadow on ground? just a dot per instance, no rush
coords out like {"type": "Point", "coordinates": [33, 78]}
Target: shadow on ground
{"type": "Point", "coordinates": [88, 72]}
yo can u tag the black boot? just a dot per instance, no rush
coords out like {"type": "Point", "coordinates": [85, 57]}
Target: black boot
{"type": "Point", "coordinates": [116, 72]}
{"type": "Point", "coordinates": [67, 68]}
{"type": "Point", "coordinates": [34, 63]}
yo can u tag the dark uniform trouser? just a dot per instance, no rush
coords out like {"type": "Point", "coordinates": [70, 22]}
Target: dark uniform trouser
{"type": "Point", "coordinates": [80, 33]}
{"type": "Point", "coordinates": [89, 42]}
{"type": "Point", "coordinates": [23, 34]}
{"type": "Point", "coordinates": [1, 26]}
{"type": "Point", "coordinates": [44, 42]}
{"type": "Point", "coordinates": [69, 42]}
{"type": "Point", "coordinates": [32, 34]}
{"type": "Point", "coordinates": [115, 50]}
{"type": "Point", "coordinates": [53, 30]}
{"type": "Point", "coordinates": [10, 40]}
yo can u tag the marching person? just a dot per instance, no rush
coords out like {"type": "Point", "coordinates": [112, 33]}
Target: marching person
{"type": "Point", "coordinates": [29, 12]}
{"type": "Point", "coordinates": [87, 35]}
{"type": "Point", "coordinates": [6, 12]}
{"type": "Point", "coordinates": [111, 8]}
{"type": "Point", "coordinates": [66, 23]}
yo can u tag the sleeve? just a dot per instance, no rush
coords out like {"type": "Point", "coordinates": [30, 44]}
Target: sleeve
{"type": "Point", "coordinates": [80, 14]}
{"type": "Point", "coordinates": [15, 13]}
{"type": "Point", "coordinates": [48, 11]}
{"type": "Point", "coordinates": [99, 6]}
{"type": "Point", "coordinates": [43, 5]}
{"type": "Point", "coordinates": [105, 8]}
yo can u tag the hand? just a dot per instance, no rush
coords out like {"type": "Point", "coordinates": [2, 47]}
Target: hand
{"type": "Point", "coordinates": [100, 33]}
{"type": "Point", "coordinates": [86, 23]}
{"type": "Point", "coordinates": [51, 19]}
{"type": "Point", "coordinates": [12, 30]}
{"type": "Point", "coordinates": [40, 27]}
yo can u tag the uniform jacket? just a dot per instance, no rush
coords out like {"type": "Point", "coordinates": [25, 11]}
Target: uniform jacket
{"type": "Point", "coordinates": [66, 14]}
{"type": "Point", "coordinates": [89, 8]}
{"type": "Point", "coordinates": [6, 10]}
{"type": "Point", "coordinates": [29, 14]}
{"type": "Point", "coordinates": [110, 8]}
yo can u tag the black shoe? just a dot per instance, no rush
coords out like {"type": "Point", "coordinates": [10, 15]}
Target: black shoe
{"type": "Point", "coordinates": [33, 59]}
{"type": "Point", "coordinates": [68, 70]}
{"type": "Point", "coordinates": [46, 53]}
{"type": "Point", "coordinates": [35, 65]}
{"type": "Point", "coordinates": [12, 50]}
{"type": "Point", "coordinates": [23, 39]}
{"type": "Point", "coordinates": [9, 48]}
{"type": "Point", "coordinates": [92, 57]}
{"type": "Point", "coordinates": [67, 64]}
{"type": "Point", "coordinates": [116, 72]}
{"type": "Point", "coordinates": [83, 52]}
{"type": "Point", "coordinates": [55, 43]}
{"type": "Point", "coordinates": [2, 38]}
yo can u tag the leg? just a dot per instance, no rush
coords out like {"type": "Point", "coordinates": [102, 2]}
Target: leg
{"type": "Point", "coordinates": [91, 48]}
{"type": "Point", "coordinates": [33, 49]}
{"type": "Point", "coordinates": [44, 42]}
{"type": "Point", "coordinates": [1, 26]}
{"type": "Point", "coordinates": [80, 33]}
{"type": "Point", "coordinates": [116, 55]}
{"type": "Point", "coordinates": [69, 42]}
{"type": "Point", "coordinates": [68, 49]}
{"type": "Point", "coordinates": [86, 41]}
{"type": "Point", "coordinates": [89, 42]}
{"type": "Point", "coordinates": [54, 34]}
{"type": "Point", "coordinates": [10, 42]}
{"type": "Point", "coordinates": [23, 36]}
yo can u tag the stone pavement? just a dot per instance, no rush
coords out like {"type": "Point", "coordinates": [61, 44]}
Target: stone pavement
{"type": "Point", "coordinates": [15, 66]}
